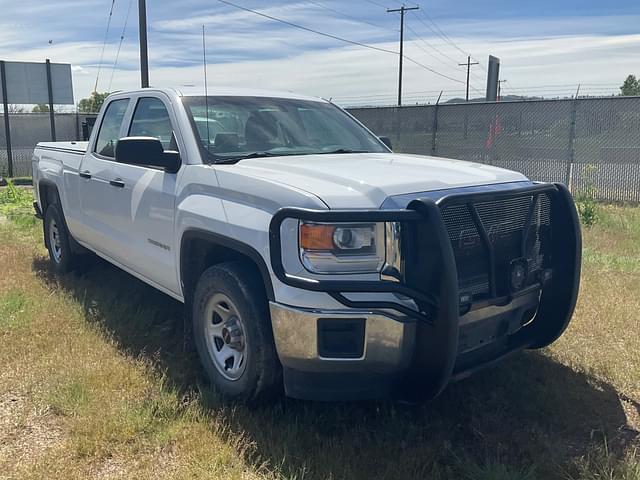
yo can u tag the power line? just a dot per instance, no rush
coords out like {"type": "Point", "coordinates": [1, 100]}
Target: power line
{"type": "Point", "coordinates": [424, 97]}
{"type": "Point", "coordinates": [453, 67]}
{"type": "Point", "coordinates": [433, 47]}
{"type": "Point", "coordinates": [477, 90]}
{"type": "Point", "coordinates": [376, 4]}
{"type": "Point", "coordinates": [355, 19]}
{"type": "Point", "coordinates": [415, 62]}
{"type": "Point", "coordinates": [335, 37]}
{"type": "Point", "coordinates": [418, 37]}
{"type": "Point", "coordinates": [474, 75]}
{"type": "Point", "coordinates": [442, 34]}
{"type": "Point", "coordinates": [104, 44]}
{"type": "Point", "coordinates": [387, 95]}
{"type": "Point", "coordinates": [436, 49]}
{"type": "Point", "coordinates": [124, 28]}
{"type": "Point", "coordinates": [317, 32]}
{"type": "Point", "coordinates": [438, 31]}
{"type": "Point", "coordinates": [417, 45]}
{"type": "Point", "coordinates": [549, 90]}
{"type": "Point", "coordinates": [571, 87]}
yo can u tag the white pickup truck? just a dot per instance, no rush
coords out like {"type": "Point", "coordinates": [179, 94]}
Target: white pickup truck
{"type": "Point", "coordinates": [307, 253]}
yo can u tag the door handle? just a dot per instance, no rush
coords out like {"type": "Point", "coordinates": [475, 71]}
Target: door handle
{"type": "Point", "coordinates": [117, 183]}
{"type": "Point", "coordinates": [85, 174]}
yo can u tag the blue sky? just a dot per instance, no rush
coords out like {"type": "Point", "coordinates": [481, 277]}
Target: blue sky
{"type": "Point", "coordinates": [545, 47]}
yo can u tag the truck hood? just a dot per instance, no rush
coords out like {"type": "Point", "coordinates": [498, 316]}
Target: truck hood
{"type": "Point", "coordinates": [365, 180]}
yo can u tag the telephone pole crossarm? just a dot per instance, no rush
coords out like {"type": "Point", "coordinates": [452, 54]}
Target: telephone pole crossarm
{"type": "Point", "coordinates": [402, 11]}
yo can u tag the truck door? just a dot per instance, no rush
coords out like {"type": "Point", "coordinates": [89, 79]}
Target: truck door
{"type": "Point", "coordinates": [99, 203]}
{"type": "Point", "coordinates": [146, 226]}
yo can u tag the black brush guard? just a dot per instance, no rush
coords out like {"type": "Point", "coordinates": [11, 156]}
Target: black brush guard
{"type": "Point", "coordinates": [431, 280]}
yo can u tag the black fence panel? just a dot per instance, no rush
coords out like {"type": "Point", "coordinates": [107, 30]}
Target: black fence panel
{"type": "Point", "coordinates": [590, 144]}
{"type": "Point", "coordinates": [606, 161]}
{"type": "Point", "coordinates": [27, 129]}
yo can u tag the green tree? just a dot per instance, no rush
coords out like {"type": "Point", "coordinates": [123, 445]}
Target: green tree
{"type": "Point", "coordinates": [15, 108]}
{"type": "Point", "coordinates": [631, 86]}
{"type": "Point", "coordinates": [93, 103]}
{"type": "Point", "coordinates": [41, 108]}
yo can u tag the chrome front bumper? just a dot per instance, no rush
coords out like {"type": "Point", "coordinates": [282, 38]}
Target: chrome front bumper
{"type": "Point", "coordinates": [386, 365]}
{"type": "Point", "coordinates": [388, 344]}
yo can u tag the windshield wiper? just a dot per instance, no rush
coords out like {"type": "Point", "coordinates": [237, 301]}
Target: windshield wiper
{"type": "Point", "coordinates": [244, 157]}
{"type": "Point", "coordinates": [223, 160]}
{"type": "Point", "coordinates": [344, 150]}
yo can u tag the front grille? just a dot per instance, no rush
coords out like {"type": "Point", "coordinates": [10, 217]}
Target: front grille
{"type": "Point", "coordinates": [503, 224]}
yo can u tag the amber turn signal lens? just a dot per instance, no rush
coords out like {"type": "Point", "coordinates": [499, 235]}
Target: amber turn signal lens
{"type": "Point", "coordinates": [316, 237]}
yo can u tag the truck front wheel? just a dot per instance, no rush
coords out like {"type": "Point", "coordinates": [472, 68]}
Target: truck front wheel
{"type": "Point", "coordinates": [57, 240]}
{"type": "Point", "coordinates": [233, 334]}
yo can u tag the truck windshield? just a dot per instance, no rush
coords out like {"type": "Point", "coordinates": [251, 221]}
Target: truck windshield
{"type": "Point", "coordinates": [233, 128]}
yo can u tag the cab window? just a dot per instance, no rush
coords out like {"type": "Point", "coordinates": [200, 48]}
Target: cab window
{"type": "Point", "coordinates": [110, 128]}
{"type": "Point", "coordinates": [151, 119]}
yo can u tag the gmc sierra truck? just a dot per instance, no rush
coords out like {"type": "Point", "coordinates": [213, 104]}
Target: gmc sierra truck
{"type": "Point", "coordinates": [309, 255]}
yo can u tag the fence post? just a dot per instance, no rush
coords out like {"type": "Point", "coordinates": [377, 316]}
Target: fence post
{"type": "Point", "coordinates": [7, 127]}
{"type": "Point", "coordinates": [572, 137]}
{"type": "Point", "coordinates": [434, 128]}
{"type": "Point", "coordinates": [396, 126]}
{"type": "Point", "coordinates": [77, 122]}
{"type": "Point", "coordinates": [52, 115]}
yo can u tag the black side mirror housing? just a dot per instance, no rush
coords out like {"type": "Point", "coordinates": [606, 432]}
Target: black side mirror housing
{"type": "Point", "coordinates": [147, 151]}
{"type": "Point", "coordinates": [386, 141]}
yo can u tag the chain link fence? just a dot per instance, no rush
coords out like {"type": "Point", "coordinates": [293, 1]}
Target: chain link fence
{"type": "Point", "coordinates": [27, 129]}
{"type": "Point", "coordinates": [590, 144]}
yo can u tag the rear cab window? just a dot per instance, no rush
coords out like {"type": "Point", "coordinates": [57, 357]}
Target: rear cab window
{"type": "Point", "coordinates": [110, 128]}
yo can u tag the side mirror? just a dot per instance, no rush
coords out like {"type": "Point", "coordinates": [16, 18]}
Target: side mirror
{"type": "Point", "coordinates": [386, 141]}
{"type": "Point", "coordinates": [147, 151]}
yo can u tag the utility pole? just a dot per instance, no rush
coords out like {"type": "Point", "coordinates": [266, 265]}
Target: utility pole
{"type": "Point", "coordinates": [468, 65]}
{"type": "Point", "coordinates": [500, 82]}
{"type": "Point", "coordinates": [144, 60]}
{"type": "Point", "coordinates": [402, 9]}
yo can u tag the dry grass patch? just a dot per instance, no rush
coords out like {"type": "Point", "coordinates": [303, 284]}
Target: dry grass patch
{"type": "Point", "coordinates": [26, 432]}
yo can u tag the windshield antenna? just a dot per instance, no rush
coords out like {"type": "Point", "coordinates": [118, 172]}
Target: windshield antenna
{"type": "Point", "coordinates": [206, 93]}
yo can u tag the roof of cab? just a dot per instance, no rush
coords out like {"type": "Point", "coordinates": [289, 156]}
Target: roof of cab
{"type": "Point", "coordinates": [226, 92]}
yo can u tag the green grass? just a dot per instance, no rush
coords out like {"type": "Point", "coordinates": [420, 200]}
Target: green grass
{"type": "Point", "coordinates": [96, 382]}
{"type": "Point", "coordinates": [16, 180]}
{"type": "Point", "coordinates": [13, 306]}
{"type": "Point", "coordinates": [16, 204]}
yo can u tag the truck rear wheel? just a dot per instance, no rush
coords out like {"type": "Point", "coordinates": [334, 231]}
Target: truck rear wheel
{"type": "Point", "coordinates": [57, 240]}
{"type": "Point", "coordinates": [233, 334]}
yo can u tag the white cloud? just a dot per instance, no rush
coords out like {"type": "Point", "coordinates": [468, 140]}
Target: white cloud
{"type": "Point", "coordinates": [250, 51]}
{"type": "Point", "coordinates": [354, 72]}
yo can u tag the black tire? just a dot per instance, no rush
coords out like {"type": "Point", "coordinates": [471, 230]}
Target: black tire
{"type": "Point", "coordinates": [261, 377]}
{"type": "Point", "coordinates": [58, 241]}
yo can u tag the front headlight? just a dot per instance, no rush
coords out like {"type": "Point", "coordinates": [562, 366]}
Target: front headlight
{"type": "Point", "coordinates": [342, 247]}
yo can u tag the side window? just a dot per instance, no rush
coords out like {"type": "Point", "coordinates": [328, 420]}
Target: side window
{"type": "Point", "coordinates": [151, 119]}
{"type": "Point", "coordinates": [110, 127]}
